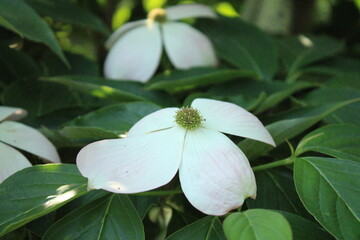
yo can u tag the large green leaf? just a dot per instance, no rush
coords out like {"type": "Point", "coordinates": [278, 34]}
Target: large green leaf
{"type": "Point", "coordinates": [345, 79]}
{"type": "Point", "coordinates": [257, 224]}
{"type": "Point", "coordinates": [19, 17]}
{"type": "Point", "coordinates": [325, 95]}
{"type": "Point", "coordinates": [330, 190]}
{"type": "Point", "coordinates": [257, 96]}
{"type": "Point", "coordinates": [207, 228]}
{"type": "Point", "coordinates": [243, 45]}
{"type": "Point", "coordinates": [110, 217]}
{"type": "Point", "coordinates": [304, 229]}
{"type": "Point", "coordinates": [180, 80]}
{"type": "Point", "coordinates": [68, 12]}
{"type": "Point", "coordinates": [276, 190]}
{"type": "Point", "coordinates": [288, 128]}
{"type": "Point", "coordinates": [117, 118]}
{"type": "Point", "coordinates": [42, 98]}
{"type": "Point", "coordinates": [116, 91]}
{"type": "Point", "coordinates": [36, 191]}
{"type": "Point", "coordinates": [338, 140]}
{"type": "Point", "coordinates": [297, 52]}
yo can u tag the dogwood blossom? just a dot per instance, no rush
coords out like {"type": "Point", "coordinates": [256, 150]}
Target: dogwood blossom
{"type": "Point", "coordinates": [215, 175]}
{"type": "Point", "coordinates": [136, 47]}
{"type": "Point", "coordinates": [17, 135]}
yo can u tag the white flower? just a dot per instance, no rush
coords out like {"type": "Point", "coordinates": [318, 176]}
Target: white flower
{"type": "Point", "coordinates": [136, 47]}
{"type": "Point", "coordinates": [215, 175]}
{"type": "Point", "coordinates": [22, 137]}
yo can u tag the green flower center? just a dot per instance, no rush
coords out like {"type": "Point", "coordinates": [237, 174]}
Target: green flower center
{"type": "Point", "coordinates": [189, 118]}
{"type": "Point", "coordinates": [157, 15]}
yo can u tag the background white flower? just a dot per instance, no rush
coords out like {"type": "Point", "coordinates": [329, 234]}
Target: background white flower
{"type": "Point", "coordinates": [17, 135]}
{"type": "Point", "coordinates": [215, 175]}
{"type": "Point", "coordinates": [136, 47]}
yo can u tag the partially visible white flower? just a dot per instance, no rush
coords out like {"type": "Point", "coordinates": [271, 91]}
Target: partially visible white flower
{"type": "Point", "coordinates": [136, 47]}
{"type": "Point", "coordinates": [17, 135]}
{"type": "Point", "coordinates": [215, 175]}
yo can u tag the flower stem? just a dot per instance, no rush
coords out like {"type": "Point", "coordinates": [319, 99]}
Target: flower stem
{"type": "Point", "coordinates": [160, 193]}
{"type": "Point", "coordinates": [279, 163]}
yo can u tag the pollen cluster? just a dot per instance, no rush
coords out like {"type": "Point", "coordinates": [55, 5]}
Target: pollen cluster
{"type": "Point", "coordinates": [189, 118]}
{"type": "Point", "coordinates": [157, 15]}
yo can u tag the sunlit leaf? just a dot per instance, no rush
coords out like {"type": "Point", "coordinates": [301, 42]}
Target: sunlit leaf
{"type": "Point", "coordinates": [36, 191]}
{"type": "Point", "coordinates": [257, 224]}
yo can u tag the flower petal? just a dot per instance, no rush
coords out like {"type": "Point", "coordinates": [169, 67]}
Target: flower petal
{"type": "Point", "coordinates": [121, 31]}
{"type": "Point", "coordinates": [189, 11]}
{"type": "Point", "coordinates": [155, 121]}
{"type": "Point", "coordinates": [11, 113]}
{"type": "Point", "coordinates": [187, 47]}
{"type": "Point", "coordinates": [136, 55]}
{"type": "Point", "coordinates": [232, 119]}
{"type": "Point", "coordinates": [215, 175]}
{"type": "Point", "coordinates": [134, 164]}
{"type": "Point", "coordinates": [11, 161]}
{"type": "Point", "coordinates": [28, 139]}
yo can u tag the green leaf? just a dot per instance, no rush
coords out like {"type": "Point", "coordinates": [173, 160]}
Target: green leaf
{"type": "Point", "coordinates": [288, 128]}
{"type": "Point", "coordinates": [116, 91]}
{"type": "Point", "coordinates": [110, 217]}
{"type": "Point", "coordinates": [207, 228]}
{"type": "Point", "coordinates": [181, 80]}
{"type": "Point", "coordinates": [257, 96]}
{"type": "Point", "coordinates": [20, 18]}
{"type": "Point", "coordinates": [349, 114]}
{"type": "Point", "coordinates": [344, 80]}
{"type": "Point", "coordinates": [297, 52]}
{"type": "Point", "coordinates": [257, 224]}
{"type": "Point", "coordinates": [79, 65]}
{"type": "Point", "coordinates": [305, 229]}
{"type": "Point", "coordinates": [143, 203]}
{"type": "Point", "coordinates": [276, 190]}
{"type": "Point", "coordinates": [75, 133]}
{"type": "Point", "coordinates": [42, 98]}
{"type": "Point", "coordinates": [117, 118]}
{"type": "Point", "coordinates": [68, 12]}
{"type": "Point", "coordinates": [330, 190]}
{"type": "Point", "coordinates": [334, 66]}
{"type": "Point", "coordinates": [277, 97]}
{"type": "Point", "coordinates": [36, 191]}
{"type": "Point", "coordinates": [16, 64]}
{"type": "Point", "coordinates": [242, 45]}
{"type": "Point", "coordinates": [338, 140]}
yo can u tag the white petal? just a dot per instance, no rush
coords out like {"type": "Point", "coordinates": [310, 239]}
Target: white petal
{"type": "Point", "coordinates": [187, 47]}
{"type": "Point", "coordinates": [28, 139]}
{"type": "Point", "coordinates": [121, 31]}
{"type": "Point", "coordinates": [215, 175]}
{"type": "Point", "coordinates": [11, 161]}
{"type": "Point", "coordinates": [155, 121]}
{"type": "Point", "coordinates": [232, 119]}
{"type": "Point", "coordinates": [11, 113]}
{"type": "Point", "coordinates": [136, 55]}
{"type": "Point", "coordinates": [134, 164]}
{"type": "Point", "coordinates": [189, 11]}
